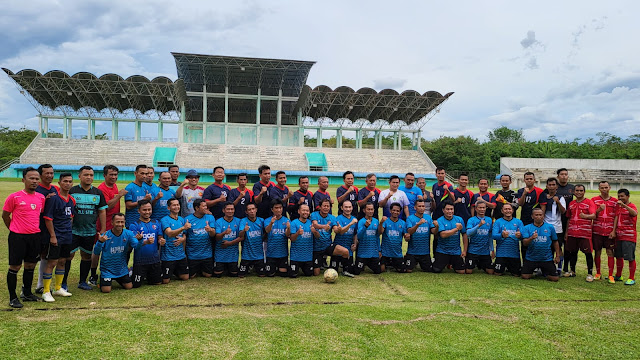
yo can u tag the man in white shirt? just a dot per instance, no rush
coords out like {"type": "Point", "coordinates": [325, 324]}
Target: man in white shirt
{"type": "Point", "coordinates": [394, 195]}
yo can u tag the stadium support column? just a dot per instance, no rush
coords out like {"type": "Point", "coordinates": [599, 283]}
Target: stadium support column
{"type": "Point", "coordinates": [65, 128]}
{"type": "Point", "coordinates": [204, 112]}
{"type": "Point", "coordinates": [319, 138]}
{"type": "Point", "coordinates": [91, 129]}
{"type": "Point", "coordinates": [160, 131]}
{"type": "Point", "coordinates": [419, 138]}
{"type": "Point", "coordinates": [358, 139]}
{"type": "Point", "coordinates": [226, 113]}
{"type": "Point", "coordinates": [395, 140]}
{"type": "Point", "coordinates": [138, 129]}
{"type": "Point", "coordinates": [45, 127]}
{"type": "Point", "coordinates": [181, 127]}
{"type": "Point", "coordinates": [40, 125]}
{"type": "Point", "coordinates": [279, 117]}
{"type": "Point", "coordinates": [300, 129]}
{"type": "Point", "coordinates": [114, 129]}
{"type": "Point", "coordinates": [258, 100]}
{"type": "Point", "coordinates": [339, 138]}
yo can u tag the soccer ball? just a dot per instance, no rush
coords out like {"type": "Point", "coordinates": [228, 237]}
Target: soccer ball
{"type": "Point", "coordinates": [330, 276]}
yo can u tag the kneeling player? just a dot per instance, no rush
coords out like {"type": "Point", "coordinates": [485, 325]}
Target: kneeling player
{"type": "Point", "coordinates": [420, 226]}
{"type": "Point", "coordinates": [277, 242]}
{"type": "Point", "coordinates": [345, 230]}
{"type": "Point", "coordinates": [114, 246]}
{"type": "Point", "coordinates": [507, 234]}
{"type": "Point", "coordinates": [252, 249]}
{"type": "Point", "coordinates": [541, 241]}
{"type": "Point", "coordinates": [228, 236]}
{"type": "Point", "coordinates": [174, 259]}
{"type": "Point", "coordinates": [480, 241]}
{"type": "Point", "coordinates": [301, 243]}
{"type": "Point", "coordinates": [393, 230]}
{"type": "Point", "coordinates": [199, 236]}
{"type": "Point", "coordinates": [146, 259]}
{"type": "Point", "coordinates": [368, 245]}
{"type": "Point", "coordinates": [325, 223]}
{"type": "Point", "coordinates": [448, 251]}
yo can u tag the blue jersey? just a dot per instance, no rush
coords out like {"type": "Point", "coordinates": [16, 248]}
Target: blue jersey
{"type": "Point", "coordinates": [392, 235]}
{"type": "Point", "coordinates": [412, 194]}
{"type": "Point", "coordinates": [169, 251]}
{"type": "Point", "coordinates": [198, 241]}
{"type": "Point", "coordinates": [294, 203]}
{"type": "Point", "coordinates": [324, 241]}
{"type": "Point", "coordinates": [230, 253]}
{"type": "Point", "coordinates": [480, 237]}
{"type": "Point", "coordinates": [302, 247]}
{"type": "Point", "coordinates": [463, 208]}
{"type": "Point", "coordinates": [346, 239]}
{"type": "Point", "coordinates": [113, 262]}
{"type": "Point", "coordinates": [241, 206]}
{"type": "Point", "coordinates": [508, 247]}
{"type": "Point", "coordinates": [252, 248]}
{"type": "Point", "coordinates": [362, 194]}
{"type": "Point", "coordinates": [352, 197]}
{"type": "Point", "coordinates": [135, 193]}
{"type": "Point", "coordinates": [60, 211]}
{"type": "Point", "coordinates": [540, 248]}
{"type": "Point", "coordinates": [419, 241]}
{"type": "Point", "coordinates": [214, 192]}
{"type": "Point", "coordinates": [440, 192]}
{"type": "Point", "coordinates": [150, 253]}
{"type": "Point", "coordinates": [450, 245]}
{"type": "Point", "coordinates": [277, 242]}
{"type": "Point", "coordinates": [318, 196]}
{"type": "Point", "coordinates": [368, 239]}
{"type": "Point", "coordinates": [160, 209]}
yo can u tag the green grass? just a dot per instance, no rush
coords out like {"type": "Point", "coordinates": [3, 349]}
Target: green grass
{"type": "Point", "coordinates": [418, 315]}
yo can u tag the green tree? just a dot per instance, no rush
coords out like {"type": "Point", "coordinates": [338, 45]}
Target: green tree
{"type": "Point", "coordinates": [505, 135]}
{"type": "Point", "coordinates": [14, 142]}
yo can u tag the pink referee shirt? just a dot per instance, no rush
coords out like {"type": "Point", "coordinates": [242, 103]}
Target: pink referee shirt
{"type": "Point", "coordinates": [25, 211]}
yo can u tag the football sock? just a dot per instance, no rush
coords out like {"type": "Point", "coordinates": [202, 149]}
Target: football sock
{"type": "Point", "coordinates": [59, 278]}
{"type": "Point", "coordinates": [27, 281]}
{"type": "Point", "coordinates": [574, 260]}
{"type": "Point", "coordinates": [43, 265]}
{"type": "Point", "coordinates": [46, 282]}
{"type": "Point", "coordinates": [567, 258]}
{"type": "Point", "coordinates": [85, 266]}
{"type": "Point", "coordinates": [632, 269]}
{"type": "Point", "coordinates": [94, 272]}
{"type": "Point", "coordinates": [598, 262]}
{"type": "Point", "coordinates": [619, 266]}
{"type": "Point", "coordinates": [12, 282]}
{"type": "Point", "coordinates": [67, 268]}
{"type": "Point", "coordinates": [611, 262]}
{"type": "Point", "coordinates": [589, 257]}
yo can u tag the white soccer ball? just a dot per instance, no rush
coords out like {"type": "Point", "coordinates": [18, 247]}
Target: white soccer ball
{"type": "Point", "coordinates": [330, 276]}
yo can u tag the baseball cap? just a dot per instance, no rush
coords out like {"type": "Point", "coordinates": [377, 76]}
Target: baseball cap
{"type": "Point", "coordinates": [192, 173]}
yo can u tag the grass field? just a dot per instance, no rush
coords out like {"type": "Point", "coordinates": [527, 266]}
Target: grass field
{"type": "Point", "coordinates": [418, 316]}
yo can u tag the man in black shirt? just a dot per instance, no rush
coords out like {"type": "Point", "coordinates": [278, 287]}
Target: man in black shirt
{"type": "Point", "coordinates": [504, 196]}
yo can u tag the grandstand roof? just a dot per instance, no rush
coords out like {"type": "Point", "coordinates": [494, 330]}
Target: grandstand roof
{"type": "Point", "coordinates": [57, 92]}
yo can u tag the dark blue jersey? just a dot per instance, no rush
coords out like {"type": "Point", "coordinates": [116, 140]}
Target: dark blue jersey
{"type": "Point", "coordinates": [488, 197]}
{"type": "Point", "coordinates": [463, 208]}
{"type": "Point", "coordinates": [241, 205]}
{"type": "Point", "coordinates": [150, 253]}
{"type": "Point", "coordinates": [352, 197]}
{"type": "Point", "coordinates": [264, 207]}
{"type": "Point", "coordinates": [214, 192]}
{"type": "Point", "coordinates": [362, 194]}
{"type": "Point", "coordinates": [60, 211]}
{"type": "Point", "coordinates": [440, 193]}
{"type": "Point", "coordinates": [294, 203]}
{"type": "Point", "coordinates": [318, 196]}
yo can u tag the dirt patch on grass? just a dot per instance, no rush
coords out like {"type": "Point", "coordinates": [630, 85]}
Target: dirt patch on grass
{"type": "Point", "coordinates": [494, 317]}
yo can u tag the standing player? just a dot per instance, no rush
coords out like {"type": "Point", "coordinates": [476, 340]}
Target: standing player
{"type": "Point", "coordinates": [507, 232]}
{"type": "Point", "coordinates": [321, 194]}
{"type": "Point", "coordinates": [603, 227]}
{"type": "Point", "coordinates": [368, 242]}
{"type": "Point", "coordinates": [420, 226]}
{"type": "Point", "coordinates": [324, 223]}
{"type": "Point", "coordinates": [241, 197]}
{"type": "Point", "coordinates": [483, 196]}
{"type": "Point", "coordinates": [21, 215]}
{"type": "Point", "coordinates": [462, 204]}
{"type": "Point", "coordinates": [146, 259]}
{"type": "Point", "coordinates": [441, 190]}
{"type": "Point", "coordinates": [252, 249]}
{"type": "Point", "coordinates": [542, 242]}
{"type": "Point", "coordinates": [301, 233]}
{"type": "Point", "coordinates": [174, 170]}
{"type": "Point", "coordinates": [347, 191]}
{"type": "Point", "coordinates": [565, 190]}
{"type": "Point", "coordinates": [262, 192]}
{"type": "Point", "coordinates": [448, 251]}
{"type": "Point", "coordinates": [58, 214]}
{"type": "Point", "coordinates": [198, 248]}
{"type": "Point", "coordinates": [479, 231]}
{"type": "Point", "coordinates": [554, 211]}
{"type": "Point", "coordinates": [393, 230]}
{"type": "Point", "coordinates": [369, 195]}
{"type": "Point", "coordinates": [228, 236]}
{"type": "Point", "coordinates": [345, 229]}
{"type": "Point", "coordinates": [281, 190]}
{"type": "Point", "coordinates": [113, 248]}
{"type": "Point", "coordinates": [152, 188]}
{"type": "Point", "coordinates": [136, 191]}
{"type": "Point", "coordinates": [581, 212]}
{"type": "Point", "coordinates": [504, 196]}
{"type": "Point", "coordinates": [188, 192]}
{"type": "Point", "coordinates": [394, 195]}
{"type": "Point", "coordinates": [160, 207]}
{"type": "Point", "coordinates": [172, 254]}
{"type": "Point", "coordinates": [624, 229]}
{"type": "Point", "coordinates": [90, 207]}
{"type": "Point", "coordinates": [45, 188]}
{"type": "Point", "coordinates": [277, 243]}
{"type": "Point", "coordinates": [301, 196]}
{"type": "Point", "coordinates": [216, 194]}
{"type": "Point", "coordinates": [429, 203]}
{"type": "Point", "coordinates": [529, 197]}
{"type": "Point", "coordinates": [411, 191]}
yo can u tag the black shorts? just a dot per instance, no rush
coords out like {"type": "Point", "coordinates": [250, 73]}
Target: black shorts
{"type": "Point", "coordinates": [560, 240]}
{"type": "Point", "coordinates": [56, 252]}
{"type": "Point", "coordinates": [575, 244]}
{"type": "Point", "coordinates": [625, 249]}
{"type": "Point", "coordinates": [337, 260]}
{"type": "Point", "coordinates": [151, 272]}
{"type": "Point", "coordinates": [177, 268]}
{"type": "Point", "coordinates": [410, 262]}
{"type": "Point", "coordinates": [274, 264]}
{"type": "Point", "coordinates": [319, 256]}
{"type": "Point", "coordinates": [603, 242]}
{"type": "Point", "coordinates": [305, 266]}
{"type": "Point", "coordinates": [507, 264]}
{"type": "Point", "coordinates": [225, 267]}
{"type": "Point", "coordinates": [121, 280]}
{"type": "Point", "coordinates": [24, 248]}
{"type": "Point", "coordinates": [442, 260]}
{"type": "Point", "coordinates": [482, 262]}
{"type": "Point", "coordinates": [84, 243]}
{"type": "Point", "coordinates": [203, 266]}
{"type": "Point", "coordinates": [246, 265]}
{"type": "Point", "coordinates": [396, 263]}
{"type": "Point", "coordinates": [372, 263]}
{"type": "Point", "coordinates": [547, 267]}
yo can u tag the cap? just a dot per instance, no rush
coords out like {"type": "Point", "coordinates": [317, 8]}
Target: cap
{"type": "Point", "coordinates": [192, 173]}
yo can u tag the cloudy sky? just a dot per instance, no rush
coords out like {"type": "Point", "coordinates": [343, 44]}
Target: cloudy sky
{"type": "Point", "coordinates": [563, 68]}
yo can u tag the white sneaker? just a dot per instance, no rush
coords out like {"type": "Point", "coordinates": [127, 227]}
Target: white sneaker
{"type": "Point", "coordinates": [62, 292]}
{"type": "Point", "coordinates": [47, 297]}
{"type": "Point", "coordinates": [590, 278]}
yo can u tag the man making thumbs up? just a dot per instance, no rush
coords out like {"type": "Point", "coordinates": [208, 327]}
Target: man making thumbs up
{"type": "Point", "coordinates": [146, 259]}
{"type": "Point", "coordinates": [541, 241]}
{"type": "Point", "coordinates": [198, 248]}
{"type": "Point", "coordinates": [228, 236]}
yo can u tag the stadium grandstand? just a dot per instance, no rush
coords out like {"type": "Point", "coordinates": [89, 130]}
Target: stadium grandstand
{"type": "Point", "coordinates": [234, 112]}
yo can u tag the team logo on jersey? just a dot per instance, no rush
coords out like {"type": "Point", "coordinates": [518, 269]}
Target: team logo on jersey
{"type": "Point", "coordinates": [22, 203]}
{"type": "Point", "coordinates": [153, 227]}
{"type": "Point", "coordinates": [94, 199]}
{"type": "Point", "coordinates": [33, 206]}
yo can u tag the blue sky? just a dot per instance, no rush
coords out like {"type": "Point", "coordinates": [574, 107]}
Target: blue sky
{"type": "Point", "coordinates": [569, 69]}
